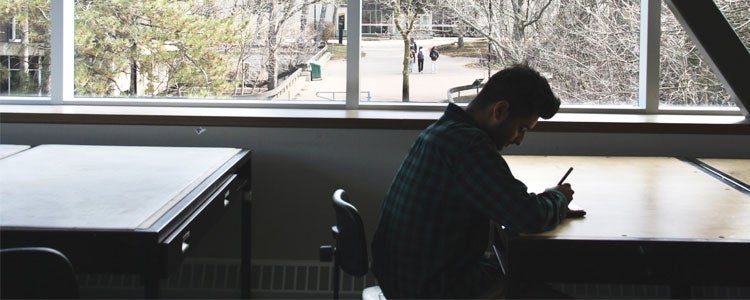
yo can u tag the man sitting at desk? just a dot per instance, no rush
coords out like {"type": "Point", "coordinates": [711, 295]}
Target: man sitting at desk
{"type": "Point", "coordinates": [433, 227]}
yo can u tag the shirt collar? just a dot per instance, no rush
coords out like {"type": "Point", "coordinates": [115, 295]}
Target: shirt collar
{"type": "Point", "coordinates": [456, 113]}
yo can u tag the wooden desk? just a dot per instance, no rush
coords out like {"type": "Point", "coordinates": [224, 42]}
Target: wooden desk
{"type": "Point", "coordinates": [118, 209]}
{"type": "Point", "coordinates": [654, 220]}
{"type": "Point", "coordinates": [8, 150]}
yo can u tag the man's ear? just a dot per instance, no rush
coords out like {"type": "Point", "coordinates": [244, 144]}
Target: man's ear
{"type": "Point", "coordinates": [500, 110]}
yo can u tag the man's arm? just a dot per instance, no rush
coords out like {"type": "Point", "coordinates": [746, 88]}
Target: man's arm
{"type": "Point", "coordinates": [488, 181]}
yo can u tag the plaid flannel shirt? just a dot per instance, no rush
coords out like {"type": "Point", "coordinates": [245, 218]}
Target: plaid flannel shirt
{"type": "Point", "coordinates": [433, 227]}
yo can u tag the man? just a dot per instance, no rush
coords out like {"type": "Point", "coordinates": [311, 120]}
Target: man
{"type": "Point", "coordinates": [433, 227]}
{"type": "Point", "coordinates": [434, 54]}
{"type": "Point", "coordinates": [412, 59]}
{"type": "Point", "coordinates": [420, 59]}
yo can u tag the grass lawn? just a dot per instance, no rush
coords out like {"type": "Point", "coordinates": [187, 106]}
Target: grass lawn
{"type": "Point", "coordinates": [470, 49]}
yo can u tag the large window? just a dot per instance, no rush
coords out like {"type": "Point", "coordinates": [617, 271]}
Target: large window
{"type": "Point", "coordinates": [294, 52]}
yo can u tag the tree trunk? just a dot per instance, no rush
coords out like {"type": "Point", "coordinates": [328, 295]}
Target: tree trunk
{"type": "Point", "coordinates": [272, 65]}
{"type": "Point", "coordinates": [405, 70]}
{"type": "Point", "coordinates": [134, 71]}
{"type": "Point", "coordinates": [25, 47]}
{"type": "Point", "coordinates": [133, 78]}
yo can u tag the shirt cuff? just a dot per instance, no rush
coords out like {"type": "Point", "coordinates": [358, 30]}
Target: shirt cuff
{"type": "Point", "coordinates": [559, 194]}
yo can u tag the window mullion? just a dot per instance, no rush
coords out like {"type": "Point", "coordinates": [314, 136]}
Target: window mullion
{"type": "Point", "coordinates": [648, 87]}
{"type": "Point", "coordinates": [62, 50]}
{"type": "Point", "coordinates": [353, 56]}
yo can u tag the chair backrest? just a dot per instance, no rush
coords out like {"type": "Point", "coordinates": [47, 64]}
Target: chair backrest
{"type": "Point", "coordinates": [36, 272]}
{"type": "Point", "coordinates": [351, 244]}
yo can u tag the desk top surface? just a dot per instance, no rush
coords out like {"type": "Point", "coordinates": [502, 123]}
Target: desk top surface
{"type": "Point", "coordinates": [737, 168]}
{"type": "Point", "coordinates": [640, 197]}
{"type": "Point", "coordinates": [8, 150]}
{"type": "Point", "coordinates": [100, 187]}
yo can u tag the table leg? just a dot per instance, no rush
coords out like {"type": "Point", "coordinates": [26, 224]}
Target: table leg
{"type": "Point", "coordinates": [245, 265]}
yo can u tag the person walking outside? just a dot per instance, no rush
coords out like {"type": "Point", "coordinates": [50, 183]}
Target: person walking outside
{"type": "Point", "coordinates": [412, 59]}
{"type": "Point", "coordinates": [420, 59]}
{"type": "Point", "coordinates": [434, 54]}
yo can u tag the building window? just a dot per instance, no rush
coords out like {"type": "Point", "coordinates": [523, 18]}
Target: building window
{"type": "Point", "coordinates": [13, 35]}
{"type": "Point", "coordinates": [21, 76]}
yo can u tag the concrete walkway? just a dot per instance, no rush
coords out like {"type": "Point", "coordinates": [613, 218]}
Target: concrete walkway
{"type": "Point", "coordinates": [381, 74]}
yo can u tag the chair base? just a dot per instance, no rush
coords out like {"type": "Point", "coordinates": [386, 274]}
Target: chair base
{"type": "Point", "coordinates": [372, 293]}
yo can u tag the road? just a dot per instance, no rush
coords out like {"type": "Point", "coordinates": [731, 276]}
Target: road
{"type": "Point", "coordinates": [381, 74]}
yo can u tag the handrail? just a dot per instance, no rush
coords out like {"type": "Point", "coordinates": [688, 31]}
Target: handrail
{"type": "Point", "coordinates": [333, 95]}
{"type": "Point", "coordinates": [291, 79]}
{"type": "Point", "coordinates": [458, 90]}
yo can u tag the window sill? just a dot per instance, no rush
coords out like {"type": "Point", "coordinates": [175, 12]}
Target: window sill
{"type": "Point", "coordinates": [357, 119]}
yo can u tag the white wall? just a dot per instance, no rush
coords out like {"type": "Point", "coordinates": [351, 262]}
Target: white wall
{"type": "Point", "coordinates": [295, 170]}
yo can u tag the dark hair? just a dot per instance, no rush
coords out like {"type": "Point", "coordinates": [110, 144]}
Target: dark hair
{"type": "Point", "coordinates": [524, 88]}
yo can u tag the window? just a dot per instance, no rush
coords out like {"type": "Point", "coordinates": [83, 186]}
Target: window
{"type": "Point", "coordinates": [24, 49]}
{"type": "Point", "coordinates": [21, 75]}
{"type": "Point", "coordinates": [288, 52]}
{"type": "Point", "coordinates": [687, 81]}
{"type": "Point", "coordinates": [588, 49]}
{"type": "Point", "coordinates": [12, 34]}
{"type": "Point", "coordinates": [196, 49]}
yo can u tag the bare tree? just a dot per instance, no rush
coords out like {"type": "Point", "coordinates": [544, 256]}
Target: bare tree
{"type": "Point", "coordinates": [273, 18]}
{"type": "Point", "coordinates": [505, 23]}
{"type": "Point", "coordinates": [591, 51]}
{"type": "Point", "coordinates": [589, 48]}
{"type": "Point", "coordinates": [405, 15]}
{"type": "Point", "coordinates": [685, 78]}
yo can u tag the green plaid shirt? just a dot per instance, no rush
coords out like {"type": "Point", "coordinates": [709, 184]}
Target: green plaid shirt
{"type": "Point", "coordinates": [433, 227]}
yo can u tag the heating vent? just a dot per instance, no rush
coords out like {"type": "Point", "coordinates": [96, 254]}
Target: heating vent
{"type": "Point", "coordinates": [215, 278]}
{"type": "Point", "coordinates": [220, 278]}
{"type": "Point", "coordinates": [304, 277]}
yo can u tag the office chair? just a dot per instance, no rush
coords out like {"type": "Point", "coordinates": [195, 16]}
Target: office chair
{"type": "Point", "coordinates": [36, 272]}
{"type": "Point", "coordinates": [350, 252]}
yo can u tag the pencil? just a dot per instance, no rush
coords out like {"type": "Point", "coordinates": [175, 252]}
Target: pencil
{"type": "Point", "coordinates": [565, 176]}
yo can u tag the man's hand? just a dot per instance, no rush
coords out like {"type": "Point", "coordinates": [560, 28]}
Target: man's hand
{"type": "Point", "coordinates": [566, 190]}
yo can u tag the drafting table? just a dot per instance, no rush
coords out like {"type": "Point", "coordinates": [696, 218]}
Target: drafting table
{"type": "Point", "coordinates": [8, 150]}
{"type": "Point", "coordinates": [123, 209]}
{"type": "Point", "coordinates": [650, 220]}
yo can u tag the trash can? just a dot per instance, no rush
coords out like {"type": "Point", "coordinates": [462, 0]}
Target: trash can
{"type": "Point", "coordinates": [315, 71]}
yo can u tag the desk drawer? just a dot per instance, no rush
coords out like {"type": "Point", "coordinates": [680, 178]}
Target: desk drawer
{"type": "Point", "coordinates": [188, 234]}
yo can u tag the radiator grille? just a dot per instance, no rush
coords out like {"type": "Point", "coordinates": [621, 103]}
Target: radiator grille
{"type": "Point", "coordinates": [216, 278]}
{"type": "Point", "coordinates": [222, 277]}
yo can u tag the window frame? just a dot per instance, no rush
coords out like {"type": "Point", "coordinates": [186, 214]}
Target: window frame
{"type": "Point", "coordinates": [62, 71]}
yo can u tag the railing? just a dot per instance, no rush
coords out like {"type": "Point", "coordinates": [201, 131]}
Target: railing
{"type": "Point", "coordinates": [283, 89]}
{"type": "Point", "coordinates": [333, 95]}
{"type": "Point", "coordinates": [457, 90]}
{"type": "Point", "coordinates": [286, 86]}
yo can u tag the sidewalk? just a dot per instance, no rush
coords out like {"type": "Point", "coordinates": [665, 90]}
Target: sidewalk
{"type": "Point", "coordinates": [380, 72]}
